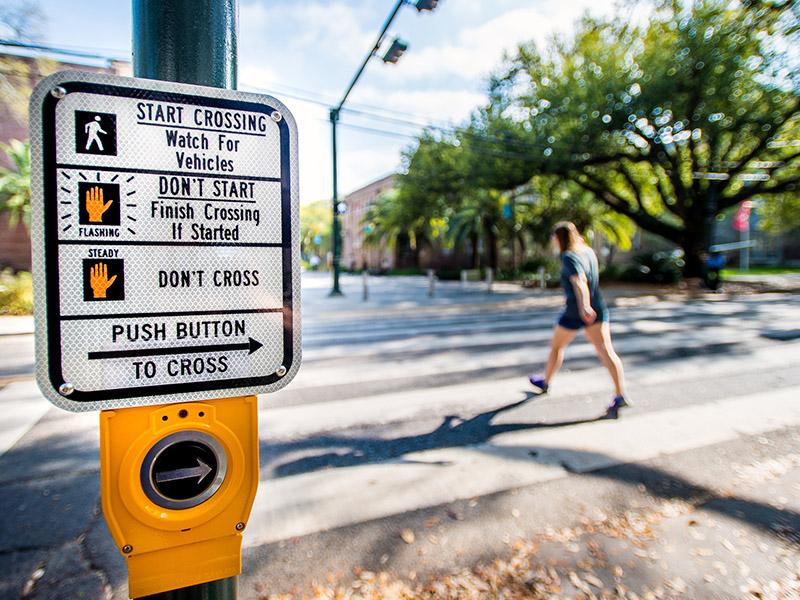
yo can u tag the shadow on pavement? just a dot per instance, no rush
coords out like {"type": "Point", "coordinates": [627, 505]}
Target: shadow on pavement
{"type": "Point", "coordinates": [453, 432]}
{"type": "Point", "coordinates": [339, 451]}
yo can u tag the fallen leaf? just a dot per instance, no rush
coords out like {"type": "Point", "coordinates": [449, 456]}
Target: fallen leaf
{"type": "Point", "coordinates": [595, 581]}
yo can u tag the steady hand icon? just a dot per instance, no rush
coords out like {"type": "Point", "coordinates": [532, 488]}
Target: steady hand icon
{"type": "Point", "coordinates": [99, 281]}
{"type": "Point", "coordinates": [95, 206]}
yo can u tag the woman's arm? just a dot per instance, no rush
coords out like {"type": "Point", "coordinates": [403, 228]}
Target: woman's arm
{"type": "Point", "coordinates": [581, 288]}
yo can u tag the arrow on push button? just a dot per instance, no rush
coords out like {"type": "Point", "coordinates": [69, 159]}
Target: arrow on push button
{"type": "Point", "coordinates": [201, 471]}
{"type": "Point", "coordinates": [250, 345]}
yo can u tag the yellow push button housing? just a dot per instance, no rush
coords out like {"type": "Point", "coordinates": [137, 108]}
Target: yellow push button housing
{"type": "Point", "coordinates": [178, 482]}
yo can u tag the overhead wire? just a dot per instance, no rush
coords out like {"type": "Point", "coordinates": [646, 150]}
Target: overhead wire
{"type": "Point", "coordinates": [404, 119]}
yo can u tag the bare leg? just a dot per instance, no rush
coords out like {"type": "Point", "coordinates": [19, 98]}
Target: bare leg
{"type": "Point", "coordinates": [561, 339]}
{"type": "Point", "coordinates": [600, 336]}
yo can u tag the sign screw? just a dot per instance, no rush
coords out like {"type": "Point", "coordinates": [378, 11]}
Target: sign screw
{"type": "Point", "coordinates": [281, 371]}
{"type": "Point", "coordinates": [127, 549]}
{"type": "Point", "coordinates": [276, 116]}
{"type": "Point", "coordinates": [58, 92]}
{"type": "Point", "coordinates": [66, 388]}
{"type": "Point", "coordinates": [239, 526]}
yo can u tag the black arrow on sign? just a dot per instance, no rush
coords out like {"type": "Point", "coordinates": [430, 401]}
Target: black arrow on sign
{"type": "Point", "coordinates": [250, 345]}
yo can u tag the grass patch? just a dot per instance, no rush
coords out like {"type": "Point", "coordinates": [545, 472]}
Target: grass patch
{"type": "Point", "coordinates": [761, 271]}
{"type": "Point", "coordinates": [16, 293]}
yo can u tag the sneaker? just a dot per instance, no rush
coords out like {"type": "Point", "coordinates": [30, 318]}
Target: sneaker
{"type": "Point", "coordinates": [620, 402]}
{"type": "Point", "coordinates": [612, 412]}
{"type": "Point", "coordinates": [539, 382]}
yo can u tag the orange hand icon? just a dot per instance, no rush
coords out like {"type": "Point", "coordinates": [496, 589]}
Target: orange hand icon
{"type": "Point", "coordinates": [94, 204]}
{"type": "Point", "coordinates": [99, 281]}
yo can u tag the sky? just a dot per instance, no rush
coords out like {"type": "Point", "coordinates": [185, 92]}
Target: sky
{"type": "Point", "coordinates": [310, 49]}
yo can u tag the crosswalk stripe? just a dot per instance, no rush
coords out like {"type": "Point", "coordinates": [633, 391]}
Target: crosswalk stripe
{"type": "Point", "coordinates": [321, 500]}
{"type": "Point", "coordinates": [22, 405]}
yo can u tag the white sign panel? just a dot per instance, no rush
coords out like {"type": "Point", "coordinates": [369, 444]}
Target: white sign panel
{"type": "Point", "coordinates": [165, 231]}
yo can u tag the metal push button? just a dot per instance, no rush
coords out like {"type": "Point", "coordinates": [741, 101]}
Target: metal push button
{"type": "Point", "coordinates": [184, 469]}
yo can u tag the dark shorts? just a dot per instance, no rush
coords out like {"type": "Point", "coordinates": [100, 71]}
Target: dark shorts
{"type": "Point", "coordinates": [568, 320]}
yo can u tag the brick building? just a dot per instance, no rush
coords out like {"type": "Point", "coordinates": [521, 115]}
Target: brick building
{"type": "Point", "coordinates": [355, 254]}
{"type": "Point", "coordinates": [18, 76]}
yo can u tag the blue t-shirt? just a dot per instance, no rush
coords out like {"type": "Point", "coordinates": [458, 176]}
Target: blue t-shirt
{"type": "Point", "coordinates": [574, 262]}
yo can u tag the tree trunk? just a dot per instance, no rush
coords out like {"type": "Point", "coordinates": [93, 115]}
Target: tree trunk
{"type": "Point", "coordinates": [491, 243]}
{"type": "Point", "coordinates": [476, 259]}
{"type": "Point", "coordinates": [693, 243]}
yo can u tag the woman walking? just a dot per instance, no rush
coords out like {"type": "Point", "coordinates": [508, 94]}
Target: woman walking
{"type": "Point", "coordinates": [585, 307]}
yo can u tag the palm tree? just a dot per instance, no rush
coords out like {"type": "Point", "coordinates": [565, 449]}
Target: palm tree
{"type": "Point", "coordinates": [15, 183]}
{"type": "Point", "coordinates": [396, 222]}
{"type": "Point", "coordinates": [478, 218]}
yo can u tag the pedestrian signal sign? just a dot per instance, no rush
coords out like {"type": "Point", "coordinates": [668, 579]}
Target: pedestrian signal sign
{"type": "Point", "coordinates": [165, 237]}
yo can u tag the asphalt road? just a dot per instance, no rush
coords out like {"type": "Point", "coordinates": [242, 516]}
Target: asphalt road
{"type": "Point", "coordinates": [407, 402]}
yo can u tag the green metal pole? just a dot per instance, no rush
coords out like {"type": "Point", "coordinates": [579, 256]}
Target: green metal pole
{"type": "Point", "coordinates": [188, 41]}
{"type": "Point", "coordinates": [336, 241]}
{"type": "Point", "coordinates": [334, 119]}
{"type": "Point", "coordinates": [222, 589]}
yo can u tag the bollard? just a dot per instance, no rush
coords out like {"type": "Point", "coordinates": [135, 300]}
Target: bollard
{"type": "Point", "coordinates": [431, 283]}
{"type": "Point", "coordinates": [364, 281]}
{"type": "Point", "coordinates": [542, 282]}
{"type": "Point", "coordinates": [489, 279]}
{"type": "Point", "coordinates": [463, 279]}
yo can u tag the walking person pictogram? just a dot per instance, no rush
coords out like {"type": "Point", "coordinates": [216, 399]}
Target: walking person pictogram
{"type": "Point", "coordinates": [95, 133]}
{"type": "Point", "coordinates": [92, 128]}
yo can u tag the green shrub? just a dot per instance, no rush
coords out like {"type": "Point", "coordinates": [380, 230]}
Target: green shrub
{"type": "Point", "coordinates": [448, 274]}
{"type": "Point", "coordinates": [550, 263]}
{"type": "Point", "coordinates": [655, 267]}
{"type": "Point", "coordinates": [407, 271]}
{"type": "Point", "coordinates": [16, 293]}
{"type": "Point", "coordinates": [612, 273]}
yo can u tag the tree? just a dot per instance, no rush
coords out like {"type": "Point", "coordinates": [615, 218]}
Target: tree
{"type": "Point", "coordinates": [478, 217]}
{"type": "Point", "coordinates": [23, 20]}
{"type": "Point", "coordinates": [315, 228]}
{"type": "Point", "coordinates": [546, 200]}
{"type": "Point", "coordinates": [15, 183]}
{"type": "Point", "coordinates": [416, 213]}
{"type": "Point", "coordinates": [670, 123]}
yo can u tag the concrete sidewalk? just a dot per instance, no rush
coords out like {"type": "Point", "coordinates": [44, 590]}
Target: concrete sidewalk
{"type": "Point", "coordinates": [718, 522]}
{"type": "Point", "coordinates": [16, 325]}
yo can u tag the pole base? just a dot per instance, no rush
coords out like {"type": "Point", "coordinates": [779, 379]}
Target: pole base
{"type": "Point", "coordinates": [222, 589]}
{"type": "Point", "coordinates": [334, 293]}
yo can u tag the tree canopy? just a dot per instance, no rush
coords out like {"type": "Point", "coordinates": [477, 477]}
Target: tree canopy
{"type": "Point", "coordinates": [667, 123]}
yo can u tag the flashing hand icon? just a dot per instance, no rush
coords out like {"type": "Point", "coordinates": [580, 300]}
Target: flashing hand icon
{"type": "Point", "coordinates": [95, 206]}
{"type": "Point", "coordinates": [99, 281]}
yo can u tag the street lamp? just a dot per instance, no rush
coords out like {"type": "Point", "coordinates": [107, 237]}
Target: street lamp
{"type": "Point", "coordinates": [392, 55]}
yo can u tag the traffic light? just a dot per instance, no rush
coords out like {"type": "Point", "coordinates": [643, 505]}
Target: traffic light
{"type": "Point", "coordinates": [395, 51]}
{"type": "Point", "coordinates": [426, 5]}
